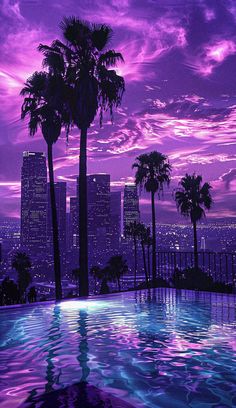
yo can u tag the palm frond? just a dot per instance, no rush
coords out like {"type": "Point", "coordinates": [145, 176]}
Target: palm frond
{"type": "Point", "coordinates": [101, 36]}
{"type": "Point", "coordinates": [110, 58]}
{"type": "Point", "coordinates": [75, 31]}
{"type": "Point", "coordinates": [153, 171]}
{"type": "Point", "coordinates": [111, 89]}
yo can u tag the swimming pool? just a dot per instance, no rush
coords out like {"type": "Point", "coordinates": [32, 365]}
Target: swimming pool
{"type": "Point", "coordinates": [163, 348]}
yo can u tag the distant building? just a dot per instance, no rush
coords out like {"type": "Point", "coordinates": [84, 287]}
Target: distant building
{"type": "Point", "coordinates": [98, 216]}
{"type": "Point", "coordinates": [99, 239]}
{"type": "Point", "coordinates": [74, 223]}
{"type": "Point", "coordinates": [131, 205]}
{"type": "Point", "coordinates": [115, 220]}
{"type": "Point", "coordinates": [60, 195]}
{"type": "Point", "coordinates": [203, 244]}
{"type": "Point", "coordinates": [34, 202]}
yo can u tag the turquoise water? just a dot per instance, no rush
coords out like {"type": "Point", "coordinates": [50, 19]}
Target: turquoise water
{"type": "Point", "coordinates": [162, 348]}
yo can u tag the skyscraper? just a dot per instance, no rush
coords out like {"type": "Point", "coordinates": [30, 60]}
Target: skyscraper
{"type": "Point", "coordinates": [60, 195]}
{"type": "Point", "coordinates": [74, 223]}
{"type": "Point", "coordinates": [99, 239]}
{"type": "Point", "coordinates": [115, 222]}
{"type": "Point", "coordinates": [98, 215]}
{"type": "Point", "coordinates": [131, 205]}
{"type": "Point", "coordinates": [33, 202]}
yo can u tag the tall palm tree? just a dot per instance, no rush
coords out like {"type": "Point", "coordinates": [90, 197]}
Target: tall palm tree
{"type": "Point", "coordinates": [40, 92]}
{"type": "Point", "coordinates": [21, 263]}
{"type": "Point", "coordinates": [144, 235]}
{"type": "Point", "coordinates": [117, 267]}
{"type": "Point", "coordinates": [132, 230]}
{"type": "Point", "coordinates": [152, 172]}
{"type": "Point", "coordinates": [91, 88]}
{"type": "Point", "coordinates": [148, 244]}
{"type": "Point", "coordinates": [191, 199]}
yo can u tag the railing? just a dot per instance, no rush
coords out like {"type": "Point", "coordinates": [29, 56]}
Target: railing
{"type": "Point", "coordinates": [221, 266]}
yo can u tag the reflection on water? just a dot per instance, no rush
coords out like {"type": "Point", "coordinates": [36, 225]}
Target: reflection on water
{"type": "Point", "coordinates": [160, 347]}
{"type": "Point", "coordinates": [83, 345]}
{"type": "Point", "coordinates": [51, 347]}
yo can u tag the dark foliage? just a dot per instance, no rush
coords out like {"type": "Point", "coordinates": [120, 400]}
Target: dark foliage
{"type": "Point", "coordinates": [193, 279]}
{"type": "Point", "coordinates": [9, 293]}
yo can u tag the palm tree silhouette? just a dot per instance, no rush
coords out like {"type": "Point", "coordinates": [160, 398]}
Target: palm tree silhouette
{"type": "Point", "coordinates": [152, 173]}
{"type": "Point", "coordinates": [117, 267]}
{"type": "Point", "coordinates": [144, 235]}
{"type": "Point", "coordinates": [148, 243]}
{"type": "Point", "coordinates": [95, 272]}
{"type": "Point", "coordinates": [191, 198]}
{"type": "Point", "coordinates": [40, 104]}
{"type": "Point", "coordinates": [101, 275]}
{"type": "Point", "coordinates": [132, 230]}
{"type": "Point", "coordinates": [91, 88]}
{"type": "Point", "coordinates": [21, 263]}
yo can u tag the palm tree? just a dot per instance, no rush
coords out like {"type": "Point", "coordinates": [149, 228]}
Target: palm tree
{"type": "Point", "coordinates": [132, 230]}
{"type": "Point", "coordinates": [40, 105]}
{"type": "Point", "coordinates": [144, 235]}
{"type": "Point", "coordinates": [117, 267]}
{"type": "Point", "coordinates": [102, 275]}
{"type": "Point", "coordinates": [152, 172]}
{"type": "Point", "coordinates": [191, 199]}
{"type": "Point", "coordinates": [21, 263]}
{"type": "Point", "coordinates": [148, 244]}
{"type": "Point", "coordinates": [96, 273]}
{"type": "Point", "coordinates": [91, 88]}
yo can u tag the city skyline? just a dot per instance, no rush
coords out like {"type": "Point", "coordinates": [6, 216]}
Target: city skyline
{"type": "Point", "coordinates": [187, 113]}
{"type": "Point", "coordinates": [144, 199]}
{"type": "Point", "coordinates": [109, 213]}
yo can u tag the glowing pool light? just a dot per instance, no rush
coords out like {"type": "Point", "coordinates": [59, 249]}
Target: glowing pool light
{"type": "Point", "coordinates": [85, 305]}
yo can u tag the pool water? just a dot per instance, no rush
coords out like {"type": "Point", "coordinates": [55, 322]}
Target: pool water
{"type": "Point", "coordinates": [158, 348]}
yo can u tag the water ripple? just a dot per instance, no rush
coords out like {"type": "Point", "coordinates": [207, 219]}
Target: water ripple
{"type": "Point", "coordinates": [162, 348]}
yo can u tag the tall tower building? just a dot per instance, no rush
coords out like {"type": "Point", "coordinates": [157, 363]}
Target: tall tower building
{"type": "Point", "coordinates": [33, 202]}
{"type": "Point", "coordinates": [115, 222]}
{"type": "Point", "coordinates": [131, 205]}
{"type": "Point", "coordinates": [74, 223]}
{"type": "Point", "coordinates": [60, 195]}
{"type": "Point", "coordinates": [98, 193]}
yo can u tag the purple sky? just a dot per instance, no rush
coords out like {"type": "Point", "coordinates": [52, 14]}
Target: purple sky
{"type": "Point", "coordinates": [180, 99]}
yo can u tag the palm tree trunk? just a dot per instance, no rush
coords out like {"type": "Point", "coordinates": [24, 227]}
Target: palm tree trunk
{"type": "Point", "coordinates": [56, 249]}
{"type": "Point", "coordinates": [154, 261]}
{"type": "Point", "coordinates": [195, 246]}
{"type": "Point", "coordinates": [83, 216]}
{"type": "Point", "coordinates": [135, 261]}
{"type": "Point", "coordinates": [149, 270]}
{"type": "Point", "coordinates": [144, 263]}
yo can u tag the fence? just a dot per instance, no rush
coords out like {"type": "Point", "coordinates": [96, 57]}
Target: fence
{"type": "Point", "coordinates": [221, 266]}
